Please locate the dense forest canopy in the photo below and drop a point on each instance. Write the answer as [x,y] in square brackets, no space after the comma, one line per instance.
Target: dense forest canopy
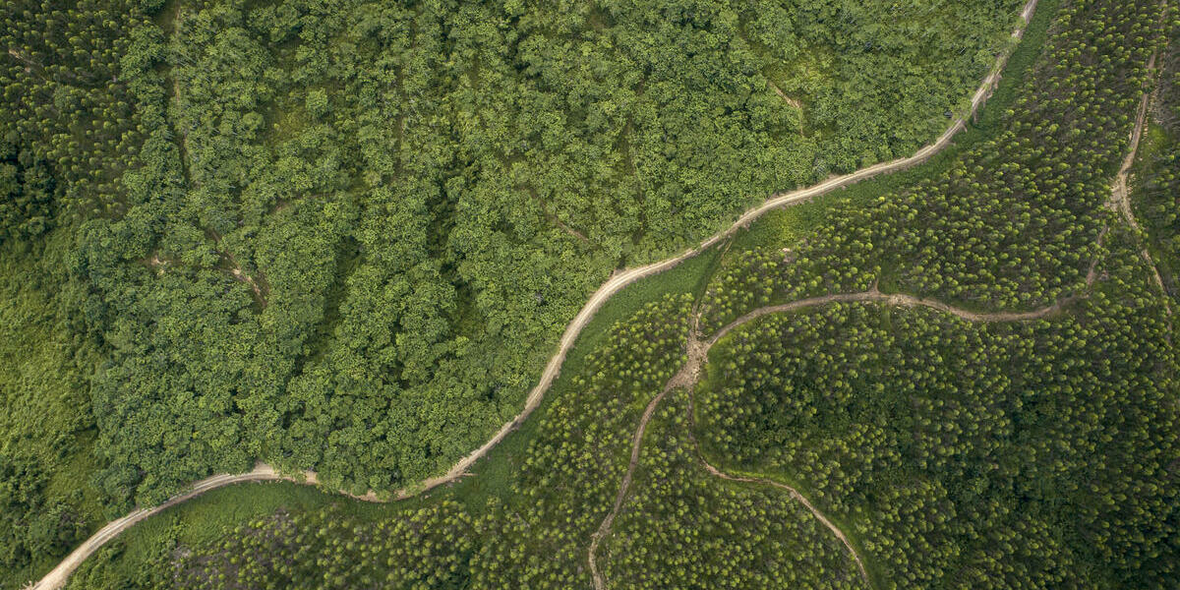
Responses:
[345,235]
[998,411]
[536,531]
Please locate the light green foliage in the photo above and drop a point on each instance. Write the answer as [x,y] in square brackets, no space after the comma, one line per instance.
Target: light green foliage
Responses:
[45,427]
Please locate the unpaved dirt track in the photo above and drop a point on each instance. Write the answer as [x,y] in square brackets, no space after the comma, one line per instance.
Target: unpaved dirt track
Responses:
[619,280]
[698,351]
[686,377]
[1121,194]
[795,495]
[900,300]
[57,577]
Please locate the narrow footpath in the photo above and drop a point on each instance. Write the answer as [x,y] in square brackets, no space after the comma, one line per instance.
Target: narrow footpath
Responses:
[697,354]
[1121,194]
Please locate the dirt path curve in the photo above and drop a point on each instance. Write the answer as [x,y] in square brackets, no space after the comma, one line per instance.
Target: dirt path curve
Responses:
[1121,197]
[57,577]
[620,279]
[795,495]
[698,351]
[902,300]
[261,472]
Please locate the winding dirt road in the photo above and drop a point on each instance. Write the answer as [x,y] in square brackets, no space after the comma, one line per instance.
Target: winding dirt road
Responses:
[57,577]
[792,492]
[698,351]
[621,279]
[1121,196]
